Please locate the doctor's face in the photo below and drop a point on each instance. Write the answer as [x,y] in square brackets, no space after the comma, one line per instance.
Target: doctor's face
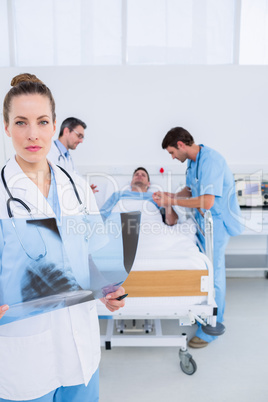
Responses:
[74,137]
[31,128]
[177,153]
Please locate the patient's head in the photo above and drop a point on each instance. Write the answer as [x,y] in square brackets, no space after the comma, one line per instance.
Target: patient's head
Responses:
[140,180]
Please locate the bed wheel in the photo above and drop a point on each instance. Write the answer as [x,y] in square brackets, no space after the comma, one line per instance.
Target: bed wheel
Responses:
[187,363]
[190,368]
[218,330]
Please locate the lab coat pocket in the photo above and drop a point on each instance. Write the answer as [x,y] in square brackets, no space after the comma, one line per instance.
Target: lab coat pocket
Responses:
[29,364]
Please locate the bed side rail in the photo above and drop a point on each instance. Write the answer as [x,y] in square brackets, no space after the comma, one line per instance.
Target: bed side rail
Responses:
[207,234]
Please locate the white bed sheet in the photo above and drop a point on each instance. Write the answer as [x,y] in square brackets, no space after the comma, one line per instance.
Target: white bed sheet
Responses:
[163,247]
[168,249]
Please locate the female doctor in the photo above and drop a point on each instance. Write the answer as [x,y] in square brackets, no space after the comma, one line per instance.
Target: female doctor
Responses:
[52,356]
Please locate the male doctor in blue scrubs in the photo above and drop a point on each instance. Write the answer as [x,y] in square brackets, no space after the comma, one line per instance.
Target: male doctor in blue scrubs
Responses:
[209,185]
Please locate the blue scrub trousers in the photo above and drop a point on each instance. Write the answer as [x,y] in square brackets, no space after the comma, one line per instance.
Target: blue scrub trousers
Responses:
[220,240]
[76,393]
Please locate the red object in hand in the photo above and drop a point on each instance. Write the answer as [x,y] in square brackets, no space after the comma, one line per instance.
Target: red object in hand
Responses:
[161,170]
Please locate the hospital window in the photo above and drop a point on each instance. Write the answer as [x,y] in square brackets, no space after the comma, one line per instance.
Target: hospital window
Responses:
[133,32]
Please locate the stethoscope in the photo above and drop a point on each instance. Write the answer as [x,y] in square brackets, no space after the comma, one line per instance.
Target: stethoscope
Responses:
[28,209]
[61,155]
[197,165]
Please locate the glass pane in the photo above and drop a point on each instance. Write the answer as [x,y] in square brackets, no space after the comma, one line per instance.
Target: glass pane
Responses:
[220,31]
[101,39]
[4,38]
[146,31]
[34,32]
[180,31]
[254,32]
[187,45]
[206,33]
[107,32]
[146,22]
[67,32]
[180,23]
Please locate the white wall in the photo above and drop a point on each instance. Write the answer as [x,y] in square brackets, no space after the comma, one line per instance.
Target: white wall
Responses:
[129,110]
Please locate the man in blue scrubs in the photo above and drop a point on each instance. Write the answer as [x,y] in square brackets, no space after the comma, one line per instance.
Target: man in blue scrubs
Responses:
[209,185]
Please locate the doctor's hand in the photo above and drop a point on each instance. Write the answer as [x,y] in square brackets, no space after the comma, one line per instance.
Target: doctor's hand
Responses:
[3,309]
[163,199]
[111,302]
[171,195]
[93,188]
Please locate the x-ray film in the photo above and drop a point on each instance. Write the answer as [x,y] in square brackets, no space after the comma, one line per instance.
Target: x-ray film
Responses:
[47,266]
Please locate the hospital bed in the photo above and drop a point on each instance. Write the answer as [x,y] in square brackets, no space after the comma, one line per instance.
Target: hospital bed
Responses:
[165,287]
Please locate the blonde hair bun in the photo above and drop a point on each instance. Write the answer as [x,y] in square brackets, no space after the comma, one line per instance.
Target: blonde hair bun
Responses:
[24,78]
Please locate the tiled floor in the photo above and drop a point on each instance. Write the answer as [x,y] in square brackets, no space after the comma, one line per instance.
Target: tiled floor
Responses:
[234,368]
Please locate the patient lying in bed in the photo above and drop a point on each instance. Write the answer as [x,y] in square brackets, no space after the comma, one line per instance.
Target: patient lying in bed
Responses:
[139,192]
[163,236]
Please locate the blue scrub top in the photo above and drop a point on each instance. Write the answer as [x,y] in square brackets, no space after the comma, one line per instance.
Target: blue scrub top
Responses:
[210,174]
[52,198]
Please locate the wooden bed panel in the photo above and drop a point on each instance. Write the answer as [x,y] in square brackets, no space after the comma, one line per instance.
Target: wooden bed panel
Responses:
[165,283]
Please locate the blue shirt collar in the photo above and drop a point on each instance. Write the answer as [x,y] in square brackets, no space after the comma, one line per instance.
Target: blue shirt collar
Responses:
[62,148]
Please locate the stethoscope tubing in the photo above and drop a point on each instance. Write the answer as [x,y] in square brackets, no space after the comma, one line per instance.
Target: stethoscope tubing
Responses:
[13,199]
[197,166]
[62,156]
[11,216]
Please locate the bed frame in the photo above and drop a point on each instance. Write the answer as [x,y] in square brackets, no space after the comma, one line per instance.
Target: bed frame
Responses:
[165,284]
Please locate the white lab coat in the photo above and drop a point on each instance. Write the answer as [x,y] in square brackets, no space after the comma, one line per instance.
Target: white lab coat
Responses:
[60,348]
[58,158]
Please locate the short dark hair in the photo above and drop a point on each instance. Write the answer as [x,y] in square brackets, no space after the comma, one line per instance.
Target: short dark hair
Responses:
[177,134]
[142,168]
[71,123]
